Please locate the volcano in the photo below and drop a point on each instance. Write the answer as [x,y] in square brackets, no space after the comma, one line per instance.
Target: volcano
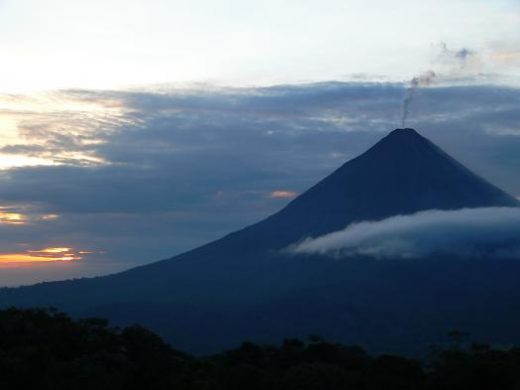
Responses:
[244,287]
[402,174]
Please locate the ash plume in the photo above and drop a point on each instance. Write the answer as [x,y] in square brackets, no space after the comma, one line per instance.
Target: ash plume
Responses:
[418,81]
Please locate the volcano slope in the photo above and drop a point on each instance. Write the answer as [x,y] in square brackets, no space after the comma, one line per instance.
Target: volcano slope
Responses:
[247,286]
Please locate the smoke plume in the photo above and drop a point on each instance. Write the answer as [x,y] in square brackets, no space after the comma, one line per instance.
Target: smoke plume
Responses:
[456,60]
[418,81]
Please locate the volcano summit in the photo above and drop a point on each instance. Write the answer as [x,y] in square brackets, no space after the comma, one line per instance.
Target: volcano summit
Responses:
[246,286]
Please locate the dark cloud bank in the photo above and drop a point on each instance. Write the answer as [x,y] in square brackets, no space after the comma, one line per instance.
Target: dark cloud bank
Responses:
[187,166]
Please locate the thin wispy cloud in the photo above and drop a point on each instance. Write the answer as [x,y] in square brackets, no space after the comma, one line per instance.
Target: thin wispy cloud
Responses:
[57,128]
[283,194]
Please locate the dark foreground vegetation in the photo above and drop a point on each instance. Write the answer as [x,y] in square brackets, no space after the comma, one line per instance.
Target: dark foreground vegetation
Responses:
[45,349]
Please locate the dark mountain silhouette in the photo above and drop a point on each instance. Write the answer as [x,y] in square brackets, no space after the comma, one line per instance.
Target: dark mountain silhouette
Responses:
[401,174]
[243,287]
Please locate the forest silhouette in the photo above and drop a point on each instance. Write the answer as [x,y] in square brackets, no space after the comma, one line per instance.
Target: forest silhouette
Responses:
[46,349]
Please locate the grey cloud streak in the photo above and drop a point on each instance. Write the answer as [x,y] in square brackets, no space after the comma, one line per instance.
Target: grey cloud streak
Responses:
[481,232]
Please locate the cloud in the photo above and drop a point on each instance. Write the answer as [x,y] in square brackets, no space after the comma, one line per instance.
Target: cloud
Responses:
[178,168]
[42,255]
[457,60]
[60,127]
[480,232]
[511,57]
[23,215]
[283,194]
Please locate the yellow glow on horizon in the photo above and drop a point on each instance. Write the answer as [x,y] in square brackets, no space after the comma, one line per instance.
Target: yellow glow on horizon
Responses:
[10,258]
[45,255]
[52,250]
[8,161]
[12,218]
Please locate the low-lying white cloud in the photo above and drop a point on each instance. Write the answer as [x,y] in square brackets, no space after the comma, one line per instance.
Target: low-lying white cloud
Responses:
[479,232]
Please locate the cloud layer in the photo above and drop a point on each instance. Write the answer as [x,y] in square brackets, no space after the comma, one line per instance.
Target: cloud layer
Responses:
[480,232]
[144,175]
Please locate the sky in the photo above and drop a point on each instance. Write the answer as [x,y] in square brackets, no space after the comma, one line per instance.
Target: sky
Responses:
[132,131]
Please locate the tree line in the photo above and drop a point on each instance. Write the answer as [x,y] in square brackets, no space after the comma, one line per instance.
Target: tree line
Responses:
[46,349]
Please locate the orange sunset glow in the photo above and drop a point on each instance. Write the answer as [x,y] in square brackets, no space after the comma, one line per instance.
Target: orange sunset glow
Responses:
[12,218]
[50,254]
[282,194]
